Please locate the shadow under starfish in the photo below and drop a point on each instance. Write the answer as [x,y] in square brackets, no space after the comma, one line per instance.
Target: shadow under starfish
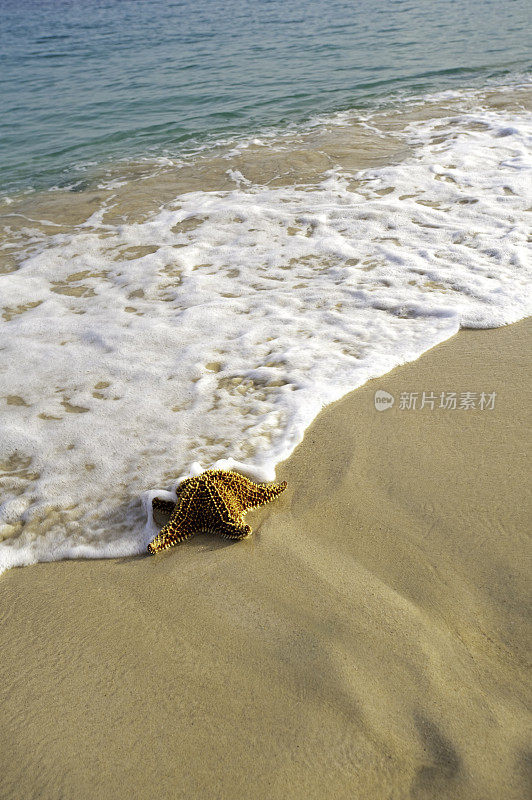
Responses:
[213,502]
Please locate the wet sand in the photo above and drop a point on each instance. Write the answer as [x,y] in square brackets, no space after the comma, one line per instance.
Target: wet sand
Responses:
[369,641]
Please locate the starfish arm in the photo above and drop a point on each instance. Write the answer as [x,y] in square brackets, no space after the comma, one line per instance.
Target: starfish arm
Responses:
[233,530]
[168,506]
[258,494]
[164,506]
[170,535]
[178,527]
[238,493]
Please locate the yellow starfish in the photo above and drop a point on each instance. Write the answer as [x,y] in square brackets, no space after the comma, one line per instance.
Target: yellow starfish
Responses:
[214,501]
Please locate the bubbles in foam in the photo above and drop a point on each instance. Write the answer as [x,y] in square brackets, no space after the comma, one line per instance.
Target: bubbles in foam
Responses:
[214,331]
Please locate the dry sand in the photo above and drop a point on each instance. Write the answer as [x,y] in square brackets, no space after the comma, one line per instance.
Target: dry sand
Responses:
[369,641]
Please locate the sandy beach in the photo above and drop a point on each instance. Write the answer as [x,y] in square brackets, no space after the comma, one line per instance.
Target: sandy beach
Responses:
[369,641]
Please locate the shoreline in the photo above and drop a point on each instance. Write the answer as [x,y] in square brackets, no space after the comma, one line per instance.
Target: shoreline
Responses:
[321,264]
[90,174]
[368,640]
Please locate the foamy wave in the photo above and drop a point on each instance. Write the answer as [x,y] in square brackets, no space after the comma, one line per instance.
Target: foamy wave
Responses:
[214,331]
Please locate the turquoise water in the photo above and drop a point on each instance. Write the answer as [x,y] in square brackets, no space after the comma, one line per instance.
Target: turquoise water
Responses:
[88,82]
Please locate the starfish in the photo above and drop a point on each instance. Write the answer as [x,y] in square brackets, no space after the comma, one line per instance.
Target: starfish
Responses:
[214,501]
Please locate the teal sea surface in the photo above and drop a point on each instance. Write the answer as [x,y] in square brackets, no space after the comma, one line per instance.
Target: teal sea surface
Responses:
[84,83]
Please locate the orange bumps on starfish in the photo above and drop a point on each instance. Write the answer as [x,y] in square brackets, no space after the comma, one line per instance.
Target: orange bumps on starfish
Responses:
[213,502]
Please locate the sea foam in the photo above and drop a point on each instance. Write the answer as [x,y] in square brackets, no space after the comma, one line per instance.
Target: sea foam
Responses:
[213,332]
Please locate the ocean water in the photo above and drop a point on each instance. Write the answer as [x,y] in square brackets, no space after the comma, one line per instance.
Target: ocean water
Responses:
[84,82]
[216,220]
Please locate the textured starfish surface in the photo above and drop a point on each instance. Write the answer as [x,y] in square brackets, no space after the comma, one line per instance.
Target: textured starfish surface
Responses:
[213,502]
